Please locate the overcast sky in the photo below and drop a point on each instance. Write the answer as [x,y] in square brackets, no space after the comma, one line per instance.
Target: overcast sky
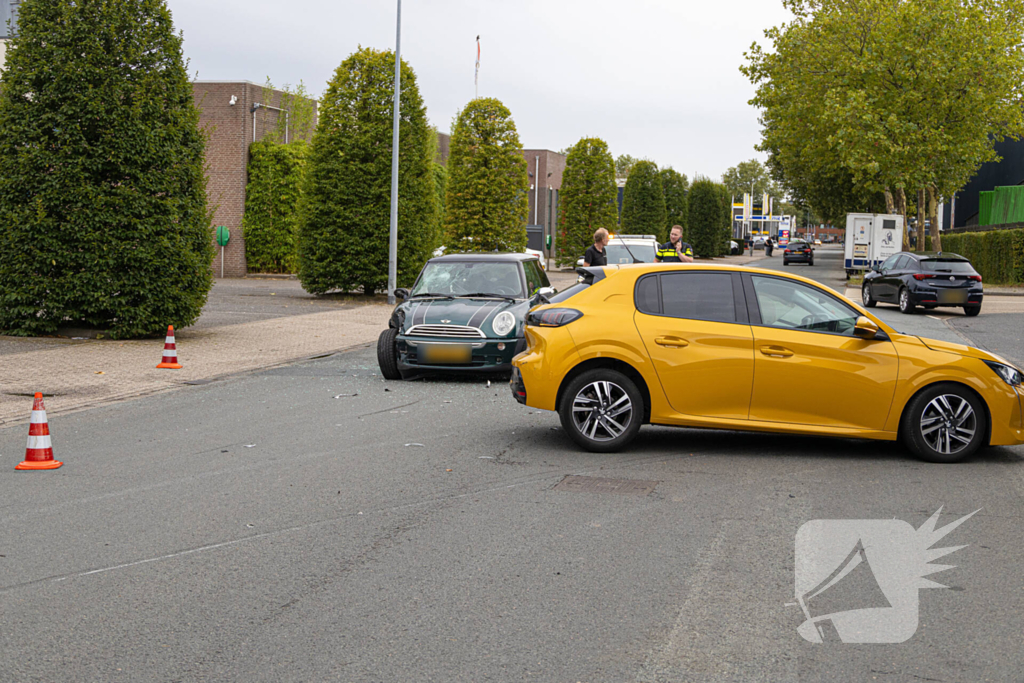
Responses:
[654,78]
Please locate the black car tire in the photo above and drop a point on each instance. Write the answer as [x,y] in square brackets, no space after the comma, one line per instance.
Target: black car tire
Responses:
[811,262]
[923,408]
[785,262]
[906,303]
[387,354]
[582,388]
[865,296]
[972,310]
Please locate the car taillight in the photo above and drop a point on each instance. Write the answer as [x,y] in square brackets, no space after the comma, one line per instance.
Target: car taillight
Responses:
[552,317]
[976,278]
[923,276]
[788,251]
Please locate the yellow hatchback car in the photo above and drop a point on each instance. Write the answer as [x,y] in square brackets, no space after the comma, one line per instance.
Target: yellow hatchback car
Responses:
[710,346]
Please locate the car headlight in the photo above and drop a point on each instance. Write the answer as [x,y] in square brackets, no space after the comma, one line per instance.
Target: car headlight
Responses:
[1008,373]
[503,323]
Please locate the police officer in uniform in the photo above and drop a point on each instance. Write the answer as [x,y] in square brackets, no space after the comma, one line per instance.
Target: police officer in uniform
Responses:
[675,250]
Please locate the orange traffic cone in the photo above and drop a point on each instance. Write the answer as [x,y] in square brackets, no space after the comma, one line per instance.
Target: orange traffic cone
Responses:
[170,360]
[39,454]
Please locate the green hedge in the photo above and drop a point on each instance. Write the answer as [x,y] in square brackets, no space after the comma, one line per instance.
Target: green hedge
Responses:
[998,255]
[270,224]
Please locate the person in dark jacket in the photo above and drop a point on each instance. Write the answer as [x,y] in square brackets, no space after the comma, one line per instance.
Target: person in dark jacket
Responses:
[596,255]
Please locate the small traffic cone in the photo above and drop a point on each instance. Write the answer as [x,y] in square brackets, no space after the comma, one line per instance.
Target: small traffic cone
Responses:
[39,453]
[170,360]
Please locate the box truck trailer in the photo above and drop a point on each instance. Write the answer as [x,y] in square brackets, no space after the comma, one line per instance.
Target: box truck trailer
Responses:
[870,239]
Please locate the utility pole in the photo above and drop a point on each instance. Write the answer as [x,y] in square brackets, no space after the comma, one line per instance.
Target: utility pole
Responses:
[393,247]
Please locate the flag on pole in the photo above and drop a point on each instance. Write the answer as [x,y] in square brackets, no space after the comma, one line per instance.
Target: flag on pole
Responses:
[476,78]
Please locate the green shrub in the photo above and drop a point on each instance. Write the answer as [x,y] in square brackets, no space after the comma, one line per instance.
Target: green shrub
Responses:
[440,189]
[102,191]
[271,221]
[486,204]
[725,220]
[643,202]
[675,186]
[345,211]
[587,200]
[998,255]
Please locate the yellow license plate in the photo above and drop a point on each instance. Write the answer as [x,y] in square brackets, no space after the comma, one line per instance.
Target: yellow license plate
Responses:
[445,354]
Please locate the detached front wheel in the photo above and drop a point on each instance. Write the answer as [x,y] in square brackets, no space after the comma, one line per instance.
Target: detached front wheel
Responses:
[602,410]
[387,354]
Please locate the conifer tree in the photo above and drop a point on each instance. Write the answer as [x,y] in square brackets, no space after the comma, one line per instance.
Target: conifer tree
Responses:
[587,200]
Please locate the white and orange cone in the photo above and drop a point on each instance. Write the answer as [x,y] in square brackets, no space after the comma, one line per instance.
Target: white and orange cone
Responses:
[170,360]
[39,453]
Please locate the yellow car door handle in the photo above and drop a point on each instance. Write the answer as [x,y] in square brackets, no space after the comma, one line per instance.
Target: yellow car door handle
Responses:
[776,351]
[671,342]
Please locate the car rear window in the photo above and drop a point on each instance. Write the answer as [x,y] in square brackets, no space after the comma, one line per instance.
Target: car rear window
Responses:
[568,293]
[797,245]
[950,266]
[698,296]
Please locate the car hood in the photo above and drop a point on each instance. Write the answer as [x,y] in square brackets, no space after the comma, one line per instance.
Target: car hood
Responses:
[961,350]
[468,312]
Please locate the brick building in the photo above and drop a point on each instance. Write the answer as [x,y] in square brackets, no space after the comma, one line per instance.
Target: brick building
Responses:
[234,114]
[545,169]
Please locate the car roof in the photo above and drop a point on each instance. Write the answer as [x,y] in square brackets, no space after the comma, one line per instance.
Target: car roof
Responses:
[926,255]
[493,258]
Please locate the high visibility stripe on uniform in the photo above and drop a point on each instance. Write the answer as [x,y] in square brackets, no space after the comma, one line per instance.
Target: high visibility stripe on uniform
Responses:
[38,442]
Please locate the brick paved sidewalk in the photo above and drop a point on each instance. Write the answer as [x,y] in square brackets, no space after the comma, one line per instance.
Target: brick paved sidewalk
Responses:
[81,374]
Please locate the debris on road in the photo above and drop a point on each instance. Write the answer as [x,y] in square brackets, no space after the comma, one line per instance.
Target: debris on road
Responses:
[346,395]
[250,445]
[414,444]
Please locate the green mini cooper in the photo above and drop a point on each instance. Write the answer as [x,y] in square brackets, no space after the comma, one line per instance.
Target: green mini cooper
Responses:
[464,314]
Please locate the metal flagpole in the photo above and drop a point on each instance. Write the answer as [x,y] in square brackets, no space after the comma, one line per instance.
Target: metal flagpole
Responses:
[476,78]
[393,248]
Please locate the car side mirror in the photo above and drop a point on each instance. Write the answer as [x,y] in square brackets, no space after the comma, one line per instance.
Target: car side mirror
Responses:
[865,328]
[402,293]
[542,294]
[579,263]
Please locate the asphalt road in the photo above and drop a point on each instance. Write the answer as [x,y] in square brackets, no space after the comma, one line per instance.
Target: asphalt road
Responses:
[315,522]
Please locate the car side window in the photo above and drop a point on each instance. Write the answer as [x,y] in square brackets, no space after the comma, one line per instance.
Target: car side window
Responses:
[698,296]
[890,263]
[795,306]
[904,263]
[648,296]
[535,278]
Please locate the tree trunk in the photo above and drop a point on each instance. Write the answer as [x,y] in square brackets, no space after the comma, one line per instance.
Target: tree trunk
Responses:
[921,211]
[890,207]
[933,216]
[901,209]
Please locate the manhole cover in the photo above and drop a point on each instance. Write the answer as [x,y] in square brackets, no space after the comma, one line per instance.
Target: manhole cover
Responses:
[599,485]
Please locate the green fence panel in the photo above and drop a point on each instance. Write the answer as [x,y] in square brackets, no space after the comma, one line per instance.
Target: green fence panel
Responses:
[985,207]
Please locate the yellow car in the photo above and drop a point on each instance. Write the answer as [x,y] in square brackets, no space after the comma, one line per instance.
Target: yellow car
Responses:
[714,346]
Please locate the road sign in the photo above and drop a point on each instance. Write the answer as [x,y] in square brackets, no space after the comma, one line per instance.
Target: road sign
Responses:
[223,235]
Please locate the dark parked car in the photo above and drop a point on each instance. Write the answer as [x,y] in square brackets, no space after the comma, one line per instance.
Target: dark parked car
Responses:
[798,251]
[926,279]
[465,313]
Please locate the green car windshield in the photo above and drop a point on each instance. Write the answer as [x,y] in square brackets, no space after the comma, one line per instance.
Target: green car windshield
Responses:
[459,278]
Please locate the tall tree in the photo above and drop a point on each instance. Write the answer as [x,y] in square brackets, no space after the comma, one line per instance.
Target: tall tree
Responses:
[705,219]
[750,177]
[643,201]
[588,198]
[487,201]
[103,216]
[870,96]
[675,186]
[346,207]
[624,163]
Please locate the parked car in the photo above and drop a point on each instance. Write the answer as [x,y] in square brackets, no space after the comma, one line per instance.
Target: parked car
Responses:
[625,249]
[817,242]
[798,251]
[728,347]
[928,279]
[464,313]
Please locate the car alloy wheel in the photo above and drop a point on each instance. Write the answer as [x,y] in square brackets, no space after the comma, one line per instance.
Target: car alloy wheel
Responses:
[944,423]
[948,424]
[865,296]
[906,305]
[602,410]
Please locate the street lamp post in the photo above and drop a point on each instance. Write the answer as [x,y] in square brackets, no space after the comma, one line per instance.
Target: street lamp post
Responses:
[393,246]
